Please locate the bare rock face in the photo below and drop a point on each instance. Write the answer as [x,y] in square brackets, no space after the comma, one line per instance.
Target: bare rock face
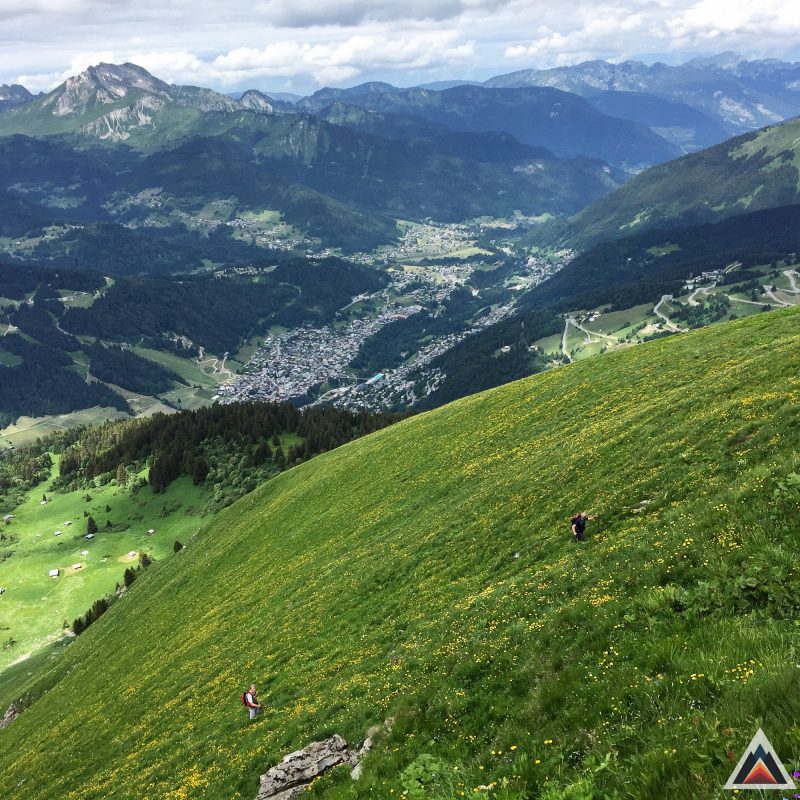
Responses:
[290,778]
[14,710]
[256,101]
[117,124]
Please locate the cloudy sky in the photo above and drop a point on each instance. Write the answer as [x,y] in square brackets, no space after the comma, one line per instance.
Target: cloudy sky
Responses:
[301,45]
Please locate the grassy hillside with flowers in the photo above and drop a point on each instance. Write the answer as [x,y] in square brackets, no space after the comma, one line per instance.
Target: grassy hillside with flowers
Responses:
[427,572]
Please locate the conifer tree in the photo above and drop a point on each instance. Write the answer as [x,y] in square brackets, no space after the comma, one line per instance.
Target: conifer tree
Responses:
[199,471]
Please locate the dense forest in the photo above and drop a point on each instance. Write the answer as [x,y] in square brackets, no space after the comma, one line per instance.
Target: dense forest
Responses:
[44,384]
[231,448]
[125,369]
[117,250]
[219,312]
[481,361]
[18,281]
[21,470]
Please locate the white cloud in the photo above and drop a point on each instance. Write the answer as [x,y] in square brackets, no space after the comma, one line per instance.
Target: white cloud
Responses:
[333,62]
[339,61]
[308,42]
[757,27]
[305,13]
[173,67]
[737,19]
[79,62]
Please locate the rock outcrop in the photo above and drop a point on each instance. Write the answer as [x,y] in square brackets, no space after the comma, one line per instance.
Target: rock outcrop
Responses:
[14,710]
[290,778]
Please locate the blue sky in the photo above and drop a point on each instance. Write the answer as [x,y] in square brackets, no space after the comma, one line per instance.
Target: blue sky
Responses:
[304,44]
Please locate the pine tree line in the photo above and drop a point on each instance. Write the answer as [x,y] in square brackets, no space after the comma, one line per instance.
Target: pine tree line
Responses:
[197,443]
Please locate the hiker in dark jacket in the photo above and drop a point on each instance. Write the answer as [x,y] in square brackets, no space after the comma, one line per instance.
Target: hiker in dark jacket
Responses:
[578,523]
[251,701]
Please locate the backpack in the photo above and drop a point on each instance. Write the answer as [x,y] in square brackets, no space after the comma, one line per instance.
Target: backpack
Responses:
[244,700]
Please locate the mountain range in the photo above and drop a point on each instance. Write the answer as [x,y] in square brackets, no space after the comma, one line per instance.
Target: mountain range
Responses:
[339,176]
[121,174]
[124,103]
[13,96]
[560,121]
[691,105]
[738,93]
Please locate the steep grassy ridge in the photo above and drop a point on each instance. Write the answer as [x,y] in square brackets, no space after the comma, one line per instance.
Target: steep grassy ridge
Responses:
[749,173]
[427,572]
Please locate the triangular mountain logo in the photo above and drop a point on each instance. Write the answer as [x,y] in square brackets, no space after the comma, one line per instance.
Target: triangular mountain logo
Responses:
[759,768]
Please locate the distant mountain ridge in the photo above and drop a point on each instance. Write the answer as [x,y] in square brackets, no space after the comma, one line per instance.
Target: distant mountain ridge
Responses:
[564,123]
[748,173]
[115,102]
[13,96]
[741,94]
[344,163]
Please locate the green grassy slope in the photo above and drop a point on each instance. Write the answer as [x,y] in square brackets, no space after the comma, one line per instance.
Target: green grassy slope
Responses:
[35,606]
[383,578]
[747,173]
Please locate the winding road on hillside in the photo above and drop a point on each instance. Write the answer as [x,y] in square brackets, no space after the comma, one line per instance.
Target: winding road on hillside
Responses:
[749,302]
[564,341]
[691,300]
[665,298]
[589,333]
[790,274]
[769,293]
[572,321]
[216,367]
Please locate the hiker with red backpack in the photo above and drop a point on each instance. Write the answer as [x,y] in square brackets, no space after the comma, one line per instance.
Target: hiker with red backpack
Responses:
[250,701]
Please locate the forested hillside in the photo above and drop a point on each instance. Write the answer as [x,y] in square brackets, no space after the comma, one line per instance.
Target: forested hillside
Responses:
[748,173]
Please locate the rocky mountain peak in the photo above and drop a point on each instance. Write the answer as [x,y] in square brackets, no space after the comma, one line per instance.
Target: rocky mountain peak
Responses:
[727,61]
[101,85]
[129,75]
[13,96]
[257,101]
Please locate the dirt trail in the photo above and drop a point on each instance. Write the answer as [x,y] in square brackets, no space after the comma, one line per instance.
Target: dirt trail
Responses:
[11,327]
[749,302]
[212,364]
[589,333]
[575,324]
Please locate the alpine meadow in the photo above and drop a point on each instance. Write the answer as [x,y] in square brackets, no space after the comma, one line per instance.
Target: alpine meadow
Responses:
[423,573]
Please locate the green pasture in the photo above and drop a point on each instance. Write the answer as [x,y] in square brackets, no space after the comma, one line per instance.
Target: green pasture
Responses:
[35,607]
